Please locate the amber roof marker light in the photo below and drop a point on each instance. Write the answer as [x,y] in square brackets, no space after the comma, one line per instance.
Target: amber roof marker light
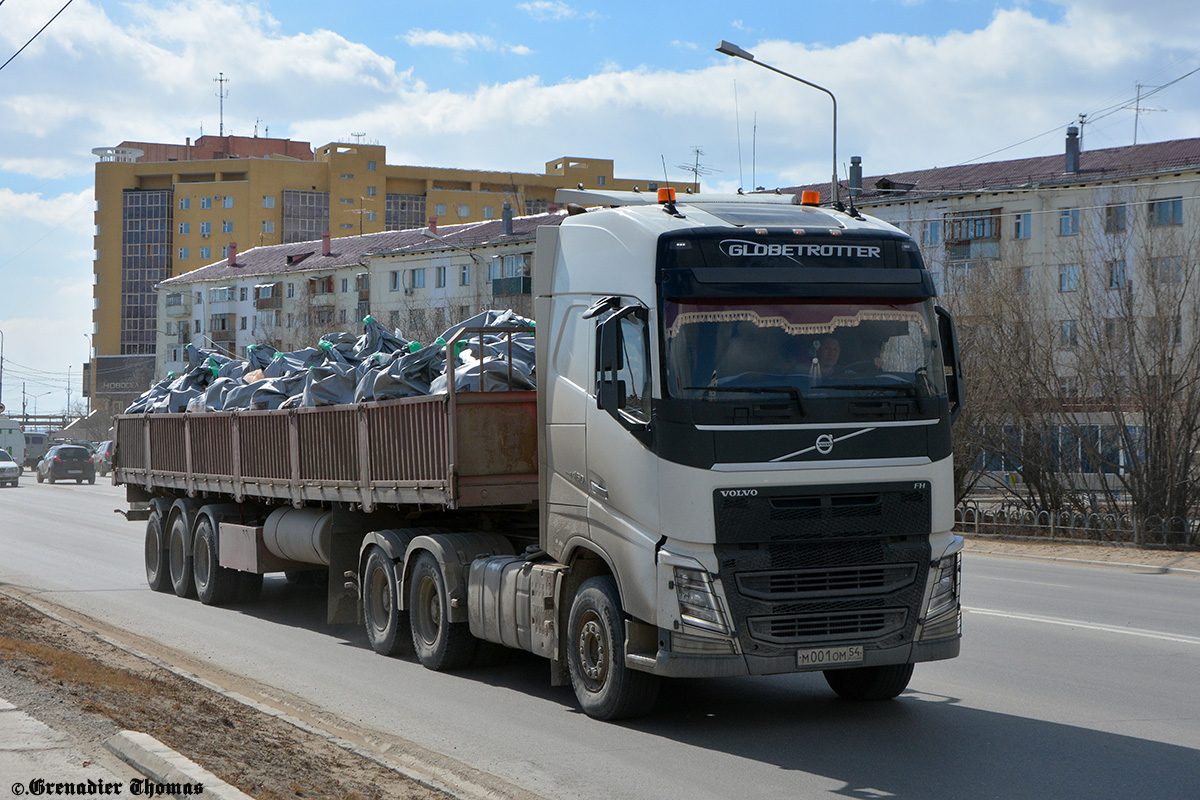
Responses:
[730,49]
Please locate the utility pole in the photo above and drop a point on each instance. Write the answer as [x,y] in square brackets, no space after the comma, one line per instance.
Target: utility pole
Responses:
[222,93]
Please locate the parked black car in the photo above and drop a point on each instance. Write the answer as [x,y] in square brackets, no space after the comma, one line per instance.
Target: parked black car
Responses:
[67,462]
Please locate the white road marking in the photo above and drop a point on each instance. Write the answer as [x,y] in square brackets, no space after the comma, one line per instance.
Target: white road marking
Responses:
[1018,580]
[1091,626]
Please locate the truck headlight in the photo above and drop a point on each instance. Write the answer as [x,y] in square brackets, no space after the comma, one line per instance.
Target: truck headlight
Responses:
[699,605]
[944,596]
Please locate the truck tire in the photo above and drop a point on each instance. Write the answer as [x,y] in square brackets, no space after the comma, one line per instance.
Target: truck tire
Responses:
[215,585]
[388,628]
[158,573]
[606,688]
[179,557]
[869,683]
[439,643]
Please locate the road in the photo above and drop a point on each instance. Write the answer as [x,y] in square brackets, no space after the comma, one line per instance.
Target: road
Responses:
[1073,682]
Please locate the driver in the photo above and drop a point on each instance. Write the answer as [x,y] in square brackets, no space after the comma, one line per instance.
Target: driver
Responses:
[828,354]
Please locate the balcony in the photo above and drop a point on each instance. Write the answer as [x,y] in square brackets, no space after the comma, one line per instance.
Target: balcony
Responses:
[521,284]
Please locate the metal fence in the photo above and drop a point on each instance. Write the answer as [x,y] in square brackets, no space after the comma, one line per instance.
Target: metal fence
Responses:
[1020,522]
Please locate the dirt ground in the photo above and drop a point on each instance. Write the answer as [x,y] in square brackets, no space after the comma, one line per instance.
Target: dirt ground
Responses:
[86,687]
[90,689]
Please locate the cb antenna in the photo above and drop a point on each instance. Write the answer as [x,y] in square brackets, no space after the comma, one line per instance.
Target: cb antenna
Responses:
[222,93]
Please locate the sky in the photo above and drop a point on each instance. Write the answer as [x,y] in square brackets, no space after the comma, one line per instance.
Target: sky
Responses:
[512,84]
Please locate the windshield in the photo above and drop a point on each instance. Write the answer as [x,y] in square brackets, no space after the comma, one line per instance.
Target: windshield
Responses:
[4,456]
[715,349]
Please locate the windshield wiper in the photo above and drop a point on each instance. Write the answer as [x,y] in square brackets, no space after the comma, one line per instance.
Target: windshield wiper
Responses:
[791,391]
[903,388]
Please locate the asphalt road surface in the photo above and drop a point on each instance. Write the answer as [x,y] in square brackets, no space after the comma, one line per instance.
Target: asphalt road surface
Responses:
[1074,682]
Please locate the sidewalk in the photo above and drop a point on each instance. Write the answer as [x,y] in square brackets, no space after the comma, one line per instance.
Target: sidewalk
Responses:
[32,751]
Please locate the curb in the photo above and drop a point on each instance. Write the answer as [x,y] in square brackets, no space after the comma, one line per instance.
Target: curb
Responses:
[1162,570]
[164,766]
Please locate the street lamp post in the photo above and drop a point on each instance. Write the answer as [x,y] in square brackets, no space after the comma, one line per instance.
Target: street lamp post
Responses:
[733,50]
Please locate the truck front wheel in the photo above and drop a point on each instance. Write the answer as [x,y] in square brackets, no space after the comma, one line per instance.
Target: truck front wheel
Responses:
[606,688]
[387,626]
[158,574]
[215,585]
[440,643]
[179,557]
[870,683]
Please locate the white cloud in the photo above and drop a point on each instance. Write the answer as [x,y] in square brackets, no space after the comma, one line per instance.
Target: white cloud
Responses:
[453,41]
[548,10]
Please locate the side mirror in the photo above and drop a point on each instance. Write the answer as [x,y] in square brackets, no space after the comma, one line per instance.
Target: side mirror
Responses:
[612,392]
[955,387]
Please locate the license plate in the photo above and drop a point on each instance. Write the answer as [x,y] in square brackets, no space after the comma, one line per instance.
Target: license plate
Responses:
[829,656]
[74,472]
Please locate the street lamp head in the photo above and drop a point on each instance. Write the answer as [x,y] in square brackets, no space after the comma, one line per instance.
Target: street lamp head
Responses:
[731,49]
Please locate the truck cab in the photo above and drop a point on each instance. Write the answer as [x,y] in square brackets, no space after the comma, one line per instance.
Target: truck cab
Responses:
[746,406]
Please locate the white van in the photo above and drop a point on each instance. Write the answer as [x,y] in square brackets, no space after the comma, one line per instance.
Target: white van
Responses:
[12,439]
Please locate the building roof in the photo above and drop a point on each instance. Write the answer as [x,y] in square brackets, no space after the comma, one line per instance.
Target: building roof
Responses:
[1113,162]
[349,251]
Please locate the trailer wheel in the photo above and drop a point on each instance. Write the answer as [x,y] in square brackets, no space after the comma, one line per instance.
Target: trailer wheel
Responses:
[440,643]
[388,628]
[606,688]
[215,585]
[179,557]
[158,574]
[870,683]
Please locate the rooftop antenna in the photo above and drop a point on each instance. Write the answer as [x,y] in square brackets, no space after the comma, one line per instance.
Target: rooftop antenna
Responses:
[754,154]
[737,120]
[1082,122]
[1138,110]
[357,136]
[696,168]
[222,93]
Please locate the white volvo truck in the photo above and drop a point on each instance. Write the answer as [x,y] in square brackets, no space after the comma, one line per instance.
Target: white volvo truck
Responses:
[737,461]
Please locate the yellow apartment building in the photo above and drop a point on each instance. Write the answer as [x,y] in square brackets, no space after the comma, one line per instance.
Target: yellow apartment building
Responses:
[166,209]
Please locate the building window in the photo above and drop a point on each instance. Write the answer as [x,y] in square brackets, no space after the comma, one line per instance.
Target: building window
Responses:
[198,327]
[1167,270]
[1068,278]
[931,233]
[441,277]
[242,292]
[1114,218]
[371,191]
[205,228]
[1116,274]
[345,284]
[439,209]
[291,292]
[370,166]
[243,323]
[346,201]
[206,202]
[268,201]
[464,275]
[1068,386]
[206,252]
[347,176]
[225,251]
[183,252]
[221,294]
[1068,333]
[370,216]
[416,320]
[489,212]
[395,285]
[600,179]
[347,226]
[226,226]
[185,228]
[268,226]
[1165,213]
[1068,222]
[227,201]
[464,210]
[185,203]
[1023,225]
[418,278]
[394,318]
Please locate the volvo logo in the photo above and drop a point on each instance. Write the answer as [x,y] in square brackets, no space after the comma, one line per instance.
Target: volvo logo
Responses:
[825,444]
[739,492]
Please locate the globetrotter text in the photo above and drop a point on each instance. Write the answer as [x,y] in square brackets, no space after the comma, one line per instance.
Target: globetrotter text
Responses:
[739,248]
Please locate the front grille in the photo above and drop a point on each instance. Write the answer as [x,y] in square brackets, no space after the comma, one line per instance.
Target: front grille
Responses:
[805,567]
[825,582]
[828,627]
